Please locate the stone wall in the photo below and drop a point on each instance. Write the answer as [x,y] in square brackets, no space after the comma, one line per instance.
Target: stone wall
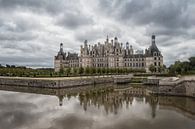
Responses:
[54,83]
[183,88]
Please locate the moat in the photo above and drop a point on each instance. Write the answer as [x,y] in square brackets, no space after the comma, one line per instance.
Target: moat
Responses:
[105,106]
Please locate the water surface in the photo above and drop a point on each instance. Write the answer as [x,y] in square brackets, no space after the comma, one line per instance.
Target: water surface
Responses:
[93,108]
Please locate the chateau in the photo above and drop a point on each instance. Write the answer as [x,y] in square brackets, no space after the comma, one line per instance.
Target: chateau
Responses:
[111,54]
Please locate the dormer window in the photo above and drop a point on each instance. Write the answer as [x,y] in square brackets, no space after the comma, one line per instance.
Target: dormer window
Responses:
[155,54]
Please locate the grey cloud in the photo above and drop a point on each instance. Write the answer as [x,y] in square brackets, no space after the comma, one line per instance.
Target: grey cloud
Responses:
[74,19]
[27,61]
[163,14]
[132,9]
[33,28]
[33,5]
[17,29]
[95,34]
[171,14]
[13,37]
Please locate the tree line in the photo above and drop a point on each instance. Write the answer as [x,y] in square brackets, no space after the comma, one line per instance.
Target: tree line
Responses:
[22,71]
[183,67]
[97,71]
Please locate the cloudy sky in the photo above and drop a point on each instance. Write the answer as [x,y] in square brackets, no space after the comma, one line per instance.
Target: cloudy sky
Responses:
[31,30]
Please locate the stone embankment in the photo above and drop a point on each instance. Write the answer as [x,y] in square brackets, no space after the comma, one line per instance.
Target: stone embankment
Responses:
[184,86]
[62,82]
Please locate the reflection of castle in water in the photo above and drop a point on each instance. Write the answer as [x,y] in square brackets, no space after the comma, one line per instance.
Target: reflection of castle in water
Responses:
[112,99]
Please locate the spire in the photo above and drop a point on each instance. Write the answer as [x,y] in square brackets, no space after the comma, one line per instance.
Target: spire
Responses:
[107,40]
[153,48]
[85,44]
[127,45]
[153,39]
[61,47]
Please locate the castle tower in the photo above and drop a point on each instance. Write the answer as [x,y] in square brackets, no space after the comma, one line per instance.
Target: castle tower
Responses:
[131,50]
[115,41]
[61,47]
[153,39]
[107,39]
[127,45]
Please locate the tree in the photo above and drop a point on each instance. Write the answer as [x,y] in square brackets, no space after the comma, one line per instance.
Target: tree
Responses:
[160,69]
[68,71]
[125,70]
[87,70]
[98,70]
[93,70]
[1,66]
[13,66]
[178,67]
[185,67]
[81,70]
[114,70]
[103,70]
[8,66]
[107,70]
[111,70]
[152,68]
[75,71]
[192,62]
[61,72]
[172,69]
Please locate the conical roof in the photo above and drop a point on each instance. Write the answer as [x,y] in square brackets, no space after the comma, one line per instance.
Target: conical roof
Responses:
[153,48]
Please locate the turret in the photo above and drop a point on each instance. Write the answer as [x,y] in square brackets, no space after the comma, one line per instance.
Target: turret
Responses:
[127,45]
[115,40]
[61,47]
[81,50]
[131,50]
[85,49]
[153,48]
[112,42]
[107,40]
[153,39]
[61,55]
[85,44]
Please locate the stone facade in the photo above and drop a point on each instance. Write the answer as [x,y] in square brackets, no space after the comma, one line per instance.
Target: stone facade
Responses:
[111,54]
[64,60]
